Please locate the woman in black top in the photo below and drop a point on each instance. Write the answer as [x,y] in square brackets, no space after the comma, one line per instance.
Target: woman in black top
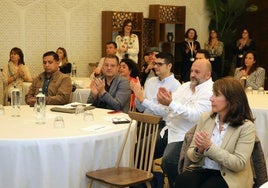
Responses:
[243,44]
[65,66]
[188,49]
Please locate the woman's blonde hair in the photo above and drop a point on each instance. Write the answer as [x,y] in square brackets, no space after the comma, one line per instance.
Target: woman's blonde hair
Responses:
[65,57]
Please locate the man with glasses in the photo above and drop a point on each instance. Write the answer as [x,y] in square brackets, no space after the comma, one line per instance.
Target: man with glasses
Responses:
[111,91]
[146,100]
[165,78]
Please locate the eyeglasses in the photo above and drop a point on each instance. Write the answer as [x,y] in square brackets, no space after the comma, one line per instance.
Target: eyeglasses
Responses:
[159,64]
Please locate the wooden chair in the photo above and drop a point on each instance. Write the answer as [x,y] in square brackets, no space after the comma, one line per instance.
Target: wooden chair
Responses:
[139,169]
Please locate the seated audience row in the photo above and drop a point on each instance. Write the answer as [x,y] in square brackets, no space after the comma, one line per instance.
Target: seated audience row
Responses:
[255,75]
[180,106]
[16,72]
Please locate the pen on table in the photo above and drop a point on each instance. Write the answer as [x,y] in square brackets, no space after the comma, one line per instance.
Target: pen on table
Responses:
[99,128]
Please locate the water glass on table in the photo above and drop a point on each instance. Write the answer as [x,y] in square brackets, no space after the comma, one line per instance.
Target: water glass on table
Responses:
[249,90]
[261,90]
[88,115]
[79,110]
[59,122]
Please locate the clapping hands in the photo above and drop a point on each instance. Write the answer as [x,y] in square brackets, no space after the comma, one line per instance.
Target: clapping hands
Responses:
[202,141]
[164,96]
[97,86]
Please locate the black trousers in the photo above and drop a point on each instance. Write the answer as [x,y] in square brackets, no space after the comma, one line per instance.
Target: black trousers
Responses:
[200,178]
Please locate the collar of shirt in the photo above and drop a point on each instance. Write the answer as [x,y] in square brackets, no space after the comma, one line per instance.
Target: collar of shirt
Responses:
[167,78]
[203,85]
[217,123]
[216,138]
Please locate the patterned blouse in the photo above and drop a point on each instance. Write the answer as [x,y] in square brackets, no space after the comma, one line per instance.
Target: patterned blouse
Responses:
[254,80]
[132,43]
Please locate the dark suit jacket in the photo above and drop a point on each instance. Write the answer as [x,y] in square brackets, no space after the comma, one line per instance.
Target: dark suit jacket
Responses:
[118,97]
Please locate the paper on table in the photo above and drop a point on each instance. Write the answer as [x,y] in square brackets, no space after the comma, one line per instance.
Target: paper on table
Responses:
[73,105]
[111,118]
[95,128]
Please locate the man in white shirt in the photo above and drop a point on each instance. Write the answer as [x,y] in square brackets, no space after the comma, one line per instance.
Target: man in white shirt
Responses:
[184,107]
[146,101]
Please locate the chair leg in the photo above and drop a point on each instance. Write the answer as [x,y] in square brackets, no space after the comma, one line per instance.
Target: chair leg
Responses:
[89,183]
[148,185]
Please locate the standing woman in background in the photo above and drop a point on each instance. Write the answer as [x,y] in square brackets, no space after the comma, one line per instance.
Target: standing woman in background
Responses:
[188,50]
[215,49]
[65,66]
[15,72]
[243,44]
[127,42]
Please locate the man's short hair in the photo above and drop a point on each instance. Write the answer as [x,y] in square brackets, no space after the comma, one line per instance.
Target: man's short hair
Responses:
[203,51]
[152,49]
[51,53]
[168,57]
[113,43]
[111,56]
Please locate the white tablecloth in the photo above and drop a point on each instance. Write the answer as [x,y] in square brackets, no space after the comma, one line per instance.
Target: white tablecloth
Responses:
[42,156]
[259,107]
[80,95]
[82,91]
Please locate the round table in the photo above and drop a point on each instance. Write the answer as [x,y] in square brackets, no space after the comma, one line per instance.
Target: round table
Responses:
[42,156]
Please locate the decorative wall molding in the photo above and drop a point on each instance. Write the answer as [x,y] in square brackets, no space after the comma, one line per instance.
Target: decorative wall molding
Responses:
[23,3]
[68,4]
[37,26]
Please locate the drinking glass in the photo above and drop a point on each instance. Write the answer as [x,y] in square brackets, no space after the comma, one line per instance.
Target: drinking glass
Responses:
[59,122]
[79,110]
[261,90]
[88,115]
[249,90]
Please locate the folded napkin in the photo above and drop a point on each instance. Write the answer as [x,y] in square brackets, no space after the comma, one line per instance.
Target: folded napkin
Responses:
[69,110]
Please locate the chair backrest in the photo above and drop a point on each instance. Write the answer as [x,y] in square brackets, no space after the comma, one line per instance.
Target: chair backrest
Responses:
[184,161]
[143,145]
[258,164]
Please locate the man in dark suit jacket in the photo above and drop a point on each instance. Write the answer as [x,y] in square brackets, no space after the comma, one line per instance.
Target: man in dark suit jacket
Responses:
[112,91]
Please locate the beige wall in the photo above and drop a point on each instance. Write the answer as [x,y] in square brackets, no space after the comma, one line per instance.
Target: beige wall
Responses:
[37,26]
